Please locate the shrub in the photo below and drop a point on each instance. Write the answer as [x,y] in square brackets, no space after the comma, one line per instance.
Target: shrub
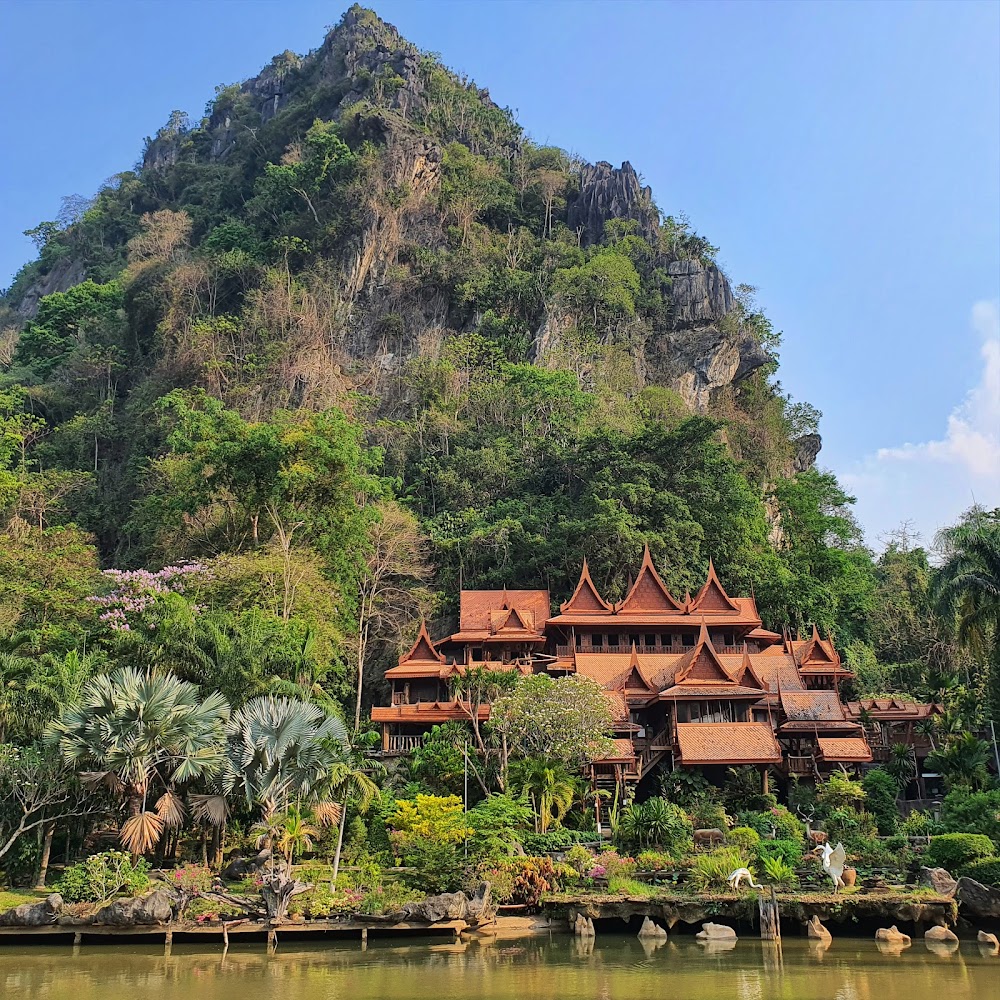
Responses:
[787,826]
[972,812]
[437,867]
[790,851]
[712,869]
[532,877]
[707,814]
[580,859]
[552,840]
[611,864]
[880,791]
[850,825]
[840,791]
[499,822]
[501,879]
[653,861]
[917,824]
[103,876]
[746,838]
[956,850]
[986,871]
[191,878]
[742,791]
[630,887]
[654,821]
[779,871]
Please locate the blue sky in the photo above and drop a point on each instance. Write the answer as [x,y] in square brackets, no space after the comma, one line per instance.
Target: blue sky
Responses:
[844,156]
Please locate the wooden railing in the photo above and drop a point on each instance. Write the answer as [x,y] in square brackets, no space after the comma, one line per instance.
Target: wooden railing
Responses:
[404,744]
[800,764]
[567,650]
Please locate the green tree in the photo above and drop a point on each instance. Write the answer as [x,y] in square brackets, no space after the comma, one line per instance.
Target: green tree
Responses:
[143,734]
[549,788]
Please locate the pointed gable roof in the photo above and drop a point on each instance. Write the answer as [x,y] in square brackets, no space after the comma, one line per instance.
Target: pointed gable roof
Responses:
[818,654]
[713,596]
[422,651]
[585,600]
[649,592]
[636,679]
[512,619]
[702,664]
[746,675]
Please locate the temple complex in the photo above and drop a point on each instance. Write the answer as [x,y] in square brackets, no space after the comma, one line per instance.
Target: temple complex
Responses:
[692,682]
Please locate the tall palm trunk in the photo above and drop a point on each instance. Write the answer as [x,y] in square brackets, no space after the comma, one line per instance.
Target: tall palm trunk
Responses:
[340,841]
[43,865]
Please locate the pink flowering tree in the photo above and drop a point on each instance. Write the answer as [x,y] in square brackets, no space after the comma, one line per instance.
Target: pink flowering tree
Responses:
[136,591]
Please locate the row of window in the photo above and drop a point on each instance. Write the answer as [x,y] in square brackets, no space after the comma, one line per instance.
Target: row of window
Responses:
[597,640]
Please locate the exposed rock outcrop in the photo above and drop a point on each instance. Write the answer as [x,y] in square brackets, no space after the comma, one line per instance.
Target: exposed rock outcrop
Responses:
[987,940]
[156,907]
[239,867]
[583,927]
[38,914]
[978,901]
[939,880]
[607,193]
[807,447]
[941,935]
[67,272]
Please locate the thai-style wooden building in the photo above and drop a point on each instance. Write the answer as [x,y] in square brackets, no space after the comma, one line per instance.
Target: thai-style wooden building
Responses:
[692,682]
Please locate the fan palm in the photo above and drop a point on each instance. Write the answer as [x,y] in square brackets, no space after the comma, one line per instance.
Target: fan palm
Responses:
[142,733]
[279,750]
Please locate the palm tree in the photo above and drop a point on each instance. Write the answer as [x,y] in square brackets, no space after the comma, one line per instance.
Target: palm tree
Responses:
[140,734]
[280,751]
[289,831]
[901,765]
[551,790]
[351,782]
[968,587]
[963,762]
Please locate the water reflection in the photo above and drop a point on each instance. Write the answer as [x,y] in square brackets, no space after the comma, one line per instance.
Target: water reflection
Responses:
[614,966]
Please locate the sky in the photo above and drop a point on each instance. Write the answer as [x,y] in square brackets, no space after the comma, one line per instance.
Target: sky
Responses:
[845,157]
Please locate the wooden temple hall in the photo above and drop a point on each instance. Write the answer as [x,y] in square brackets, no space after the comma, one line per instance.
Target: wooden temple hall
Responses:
[696,682]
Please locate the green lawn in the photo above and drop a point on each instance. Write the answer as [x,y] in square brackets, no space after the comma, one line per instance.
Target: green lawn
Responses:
[9,900]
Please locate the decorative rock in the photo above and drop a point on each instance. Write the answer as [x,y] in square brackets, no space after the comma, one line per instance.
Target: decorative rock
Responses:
[156,907]
[815,929]
[938,879]
[33,914]
[977,900]
[652,930]
[454,906]
[990,939]
[584,927]
[892,935]
[715,932]
[239,867]
[941,934]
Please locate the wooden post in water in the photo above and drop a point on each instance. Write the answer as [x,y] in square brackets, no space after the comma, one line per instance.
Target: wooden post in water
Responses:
[770,920]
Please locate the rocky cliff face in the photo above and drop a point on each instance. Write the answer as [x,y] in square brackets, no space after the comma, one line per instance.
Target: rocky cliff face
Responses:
[606,193]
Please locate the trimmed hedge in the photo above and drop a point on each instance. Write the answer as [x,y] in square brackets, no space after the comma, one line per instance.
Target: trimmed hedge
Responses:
[986,871]
[955,851]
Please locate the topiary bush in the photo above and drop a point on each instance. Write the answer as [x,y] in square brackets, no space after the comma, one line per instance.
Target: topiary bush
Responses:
[954,851]
[986,871]
[746,838]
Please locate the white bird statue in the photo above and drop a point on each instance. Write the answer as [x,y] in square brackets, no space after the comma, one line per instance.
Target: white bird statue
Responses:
[834,861]
[737,877]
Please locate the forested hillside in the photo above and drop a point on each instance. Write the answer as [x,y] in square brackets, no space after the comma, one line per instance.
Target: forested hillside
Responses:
[351,341]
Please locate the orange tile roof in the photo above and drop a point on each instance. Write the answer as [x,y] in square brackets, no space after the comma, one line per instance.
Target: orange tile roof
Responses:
[475,607]
[425,711]
[611,670]
[649,592]
[422,651]
[712,597]
[890,709]
[418,670]
[727,743]
[853,748]
[679,692]
[809,706]
[624,750]
[585,600]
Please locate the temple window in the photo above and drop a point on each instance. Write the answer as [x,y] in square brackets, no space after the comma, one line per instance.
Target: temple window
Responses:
[650,640]
[477,655]
[612,639]
[597,640]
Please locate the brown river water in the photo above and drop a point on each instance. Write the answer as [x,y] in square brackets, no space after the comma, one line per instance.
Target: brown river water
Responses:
[616,967]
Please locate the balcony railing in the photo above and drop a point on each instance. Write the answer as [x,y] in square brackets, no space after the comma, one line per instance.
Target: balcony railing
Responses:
[404,744]
[567,650]
[800,764]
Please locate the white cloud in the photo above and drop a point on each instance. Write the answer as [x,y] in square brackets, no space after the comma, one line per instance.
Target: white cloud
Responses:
[930,483]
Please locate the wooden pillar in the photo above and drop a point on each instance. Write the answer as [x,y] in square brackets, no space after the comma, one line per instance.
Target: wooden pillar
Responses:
[385,737]
[364,938]
[168,940]
[763,779]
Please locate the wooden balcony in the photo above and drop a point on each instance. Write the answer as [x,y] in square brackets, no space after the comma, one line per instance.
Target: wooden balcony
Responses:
[404,744]
[567,650]
[803,764]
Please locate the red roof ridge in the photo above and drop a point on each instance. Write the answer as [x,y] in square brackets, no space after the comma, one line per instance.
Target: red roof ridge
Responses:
[636,667]
[587,594]
[424,647]
[713,590]
[702,653]
[648,585]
